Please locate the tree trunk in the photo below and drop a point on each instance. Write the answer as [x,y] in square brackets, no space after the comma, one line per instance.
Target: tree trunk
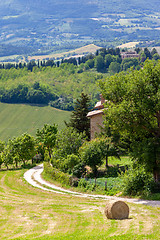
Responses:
[94,172]
[106,161]
[156,174]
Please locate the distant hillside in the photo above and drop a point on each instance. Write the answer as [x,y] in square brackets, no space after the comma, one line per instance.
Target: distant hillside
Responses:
[43,26]
[16,119]
[91,48]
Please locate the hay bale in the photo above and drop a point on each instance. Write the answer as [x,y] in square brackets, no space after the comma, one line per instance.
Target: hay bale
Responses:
[116,210]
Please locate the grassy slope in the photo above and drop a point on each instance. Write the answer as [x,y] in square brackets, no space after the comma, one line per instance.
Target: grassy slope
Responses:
[15,119]
[29,213]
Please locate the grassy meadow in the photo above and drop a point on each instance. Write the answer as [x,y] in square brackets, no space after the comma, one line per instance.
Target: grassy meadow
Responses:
[16,119]
[28,213]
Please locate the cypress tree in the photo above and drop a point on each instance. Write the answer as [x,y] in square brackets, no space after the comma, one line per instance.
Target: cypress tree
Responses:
[79,120]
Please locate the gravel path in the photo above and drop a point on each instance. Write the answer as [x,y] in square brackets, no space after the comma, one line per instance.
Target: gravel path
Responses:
[33,177]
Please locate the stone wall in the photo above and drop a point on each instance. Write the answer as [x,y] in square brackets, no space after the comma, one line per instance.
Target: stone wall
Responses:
[96,122]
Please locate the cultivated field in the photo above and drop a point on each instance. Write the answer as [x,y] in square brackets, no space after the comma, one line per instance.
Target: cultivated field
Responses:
[91,48]
[16,119]
[27,213]
[128,45]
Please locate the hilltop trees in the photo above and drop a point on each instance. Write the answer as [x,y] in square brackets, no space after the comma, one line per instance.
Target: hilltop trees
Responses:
[133,110]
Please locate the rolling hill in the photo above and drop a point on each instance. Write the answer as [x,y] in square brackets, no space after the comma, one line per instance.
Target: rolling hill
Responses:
[44,26]
[16,119]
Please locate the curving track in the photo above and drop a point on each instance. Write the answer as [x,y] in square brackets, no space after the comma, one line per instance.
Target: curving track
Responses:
[33,177]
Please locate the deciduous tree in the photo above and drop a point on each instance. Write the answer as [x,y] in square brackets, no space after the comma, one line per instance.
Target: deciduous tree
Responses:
[47,136]
[133,110]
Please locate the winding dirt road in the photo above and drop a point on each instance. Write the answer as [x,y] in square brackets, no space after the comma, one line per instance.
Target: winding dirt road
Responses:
[33,177]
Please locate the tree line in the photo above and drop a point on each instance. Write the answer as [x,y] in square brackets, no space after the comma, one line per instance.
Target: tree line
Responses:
[23,89]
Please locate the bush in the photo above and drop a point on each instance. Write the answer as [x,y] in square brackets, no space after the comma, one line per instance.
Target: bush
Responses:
[70,161]
[56,174]
[85,185]
[136,181]
[79,170]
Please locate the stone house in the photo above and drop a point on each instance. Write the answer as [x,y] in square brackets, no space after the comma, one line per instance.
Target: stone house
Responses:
[130,54]
[96,118]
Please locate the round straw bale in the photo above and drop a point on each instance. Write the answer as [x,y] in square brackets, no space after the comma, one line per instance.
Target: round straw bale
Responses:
[116,210]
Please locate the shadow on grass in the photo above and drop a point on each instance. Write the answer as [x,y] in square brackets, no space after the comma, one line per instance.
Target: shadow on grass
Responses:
[27,166]
[112,171]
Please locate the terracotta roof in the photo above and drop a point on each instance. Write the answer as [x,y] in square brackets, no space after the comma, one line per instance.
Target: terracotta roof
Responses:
[95,112]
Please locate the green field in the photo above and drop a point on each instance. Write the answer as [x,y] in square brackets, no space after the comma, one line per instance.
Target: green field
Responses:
[27,213]
[16,119]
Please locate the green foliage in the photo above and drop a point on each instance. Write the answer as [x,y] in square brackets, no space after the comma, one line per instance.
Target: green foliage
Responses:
[89,63]
[67,145]
[64,103]
[7,156]
[56,174]
[114,67]
[133,108]
[68,141]
[47,136]
[83,184]
[93,152]
[71,161]
[136,181]
[128,63]
[18,150]
[108,60]
[47,84]
[156,56]
[99,63]
[23,147]
[79,120]
[109,186]
[79,170]
[2,145]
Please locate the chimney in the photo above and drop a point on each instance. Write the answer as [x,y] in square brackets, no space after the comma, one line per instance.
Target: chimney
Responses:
[102,99]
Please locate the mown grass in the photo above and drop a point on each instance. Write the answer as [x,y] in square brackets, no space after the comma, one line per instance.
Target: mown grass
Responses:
[29,213]
[16,119]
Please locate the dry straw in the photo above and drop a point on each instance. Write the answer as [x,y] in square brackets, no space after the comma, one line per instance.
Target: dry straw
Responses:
[116,210]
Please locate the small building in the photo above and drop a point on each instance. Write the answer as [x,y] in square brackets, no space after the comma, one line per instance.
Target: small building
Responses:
[129,54]
[96,118]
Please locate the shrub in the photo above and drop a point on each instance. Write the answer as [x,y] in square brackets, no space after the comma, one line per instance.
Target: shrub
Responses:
[79,170]
[56,174]
[85,185]
[136,181]
[70,161]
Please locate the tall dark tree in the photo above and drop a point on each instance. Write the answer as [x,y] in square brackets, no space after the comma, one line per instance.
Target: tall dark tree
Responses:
[147,53]
[154,51]
[99,63]
[79,120]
